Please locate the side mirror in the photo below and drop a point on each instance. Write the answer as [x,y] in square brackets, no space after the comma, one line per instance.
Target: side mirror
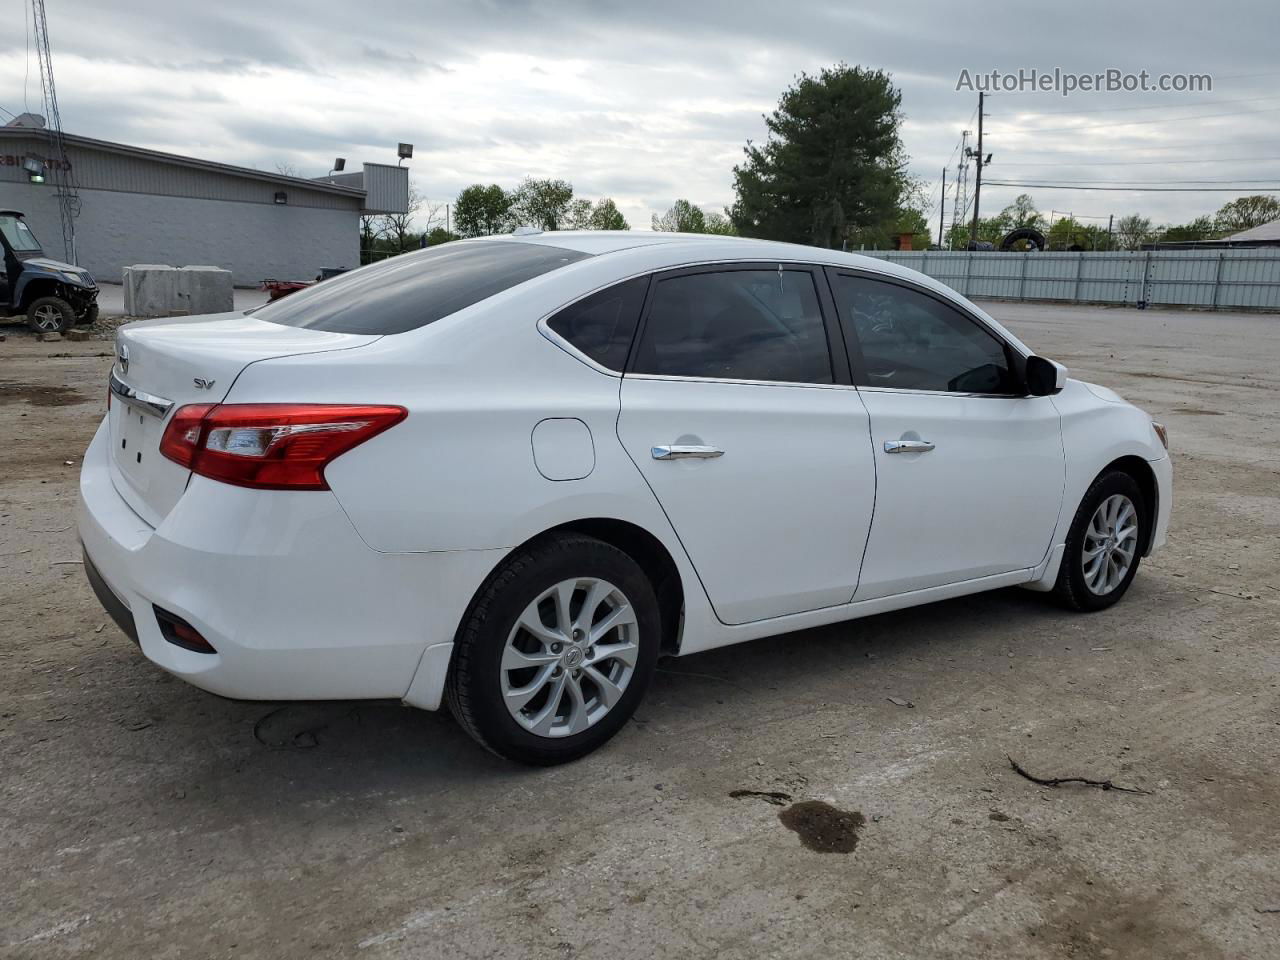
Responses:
[1045,377]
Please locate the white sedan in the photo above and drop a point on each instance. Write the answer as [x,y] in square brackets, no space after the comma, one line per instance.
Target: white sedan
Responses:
[510,473]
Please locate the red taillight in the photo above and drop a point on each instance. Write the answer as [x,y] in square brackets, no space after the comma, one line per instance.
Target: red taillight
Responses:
[271,446]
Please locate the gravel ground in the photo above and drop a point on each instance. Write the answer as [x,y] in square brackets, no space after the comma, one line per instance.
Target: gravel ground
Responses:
[142,817]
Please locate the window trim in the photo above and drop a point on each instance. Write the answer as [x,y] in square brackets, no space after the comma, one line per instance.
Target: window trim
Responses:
[544,323]
[1016,359]
[836,353]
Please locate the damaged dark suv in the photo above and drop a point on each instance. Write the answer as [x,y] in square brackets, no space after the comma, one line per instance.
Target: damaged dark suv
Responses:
[53,295]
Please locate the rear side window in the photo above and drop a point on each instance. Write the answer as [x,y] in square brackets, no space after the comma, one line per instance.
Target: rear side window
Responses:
[414,289]
[602,325]
[910,341]
[736,325]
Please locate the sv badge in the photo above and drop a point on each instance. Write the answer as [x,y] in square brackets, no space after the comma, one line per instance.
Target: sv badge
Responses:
[202,384]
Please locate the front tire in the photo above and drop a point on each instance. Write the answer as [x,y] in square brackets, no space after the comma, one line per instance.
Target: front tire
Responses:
[50,315]
[556,651]
[1104,545]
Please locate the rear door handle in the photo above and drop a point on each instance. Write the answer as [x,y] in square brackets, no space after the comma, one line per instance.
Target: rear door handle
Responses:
[680,451]
[907,446]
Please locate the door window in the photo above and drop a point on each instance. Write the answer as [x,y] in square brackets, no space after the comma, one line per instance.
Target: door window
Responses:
[602,325]
[910,341]
[736,325]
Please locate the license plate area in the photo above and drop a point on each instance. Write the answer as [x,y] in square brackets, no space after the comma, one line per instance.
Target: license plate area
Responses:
[135,439]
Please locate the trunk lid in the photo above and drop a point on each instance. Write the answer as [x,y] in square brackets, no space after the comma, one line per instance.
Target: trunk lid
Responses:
[162,365]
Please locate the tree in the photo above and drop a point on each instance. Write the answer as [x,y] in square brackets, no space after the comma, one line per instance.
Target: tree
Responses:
[682,217]
[606,216]
[1132,231]
[482,211]
[399,232]
[1246,213]
[1023,213]
[1201,228]
[833,162]
[718,223]
[437,235]
[542,203]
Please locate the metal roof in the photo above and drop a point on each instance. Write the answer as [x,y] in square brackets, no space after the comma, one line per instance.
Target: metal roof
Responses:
[1267,231]
[208,166]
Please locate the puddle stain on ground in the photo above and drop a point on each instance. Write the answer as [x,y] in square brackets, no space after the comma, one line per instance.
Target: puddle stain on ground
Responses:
[39,394]
[822,827]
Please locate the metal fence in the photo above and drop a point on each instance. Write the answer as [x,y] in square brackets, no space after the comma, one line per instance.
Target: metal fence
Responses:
[1211,279]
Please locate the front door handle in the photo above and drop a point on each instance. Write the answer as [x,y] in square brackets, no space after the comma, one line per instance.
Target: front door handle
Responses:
[681,451]
[907,446]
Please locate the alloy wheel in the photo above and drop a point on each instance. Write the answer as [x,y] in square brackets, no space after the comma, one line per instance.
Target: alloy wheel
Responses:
[48,319]
[1110,544]
[569,657]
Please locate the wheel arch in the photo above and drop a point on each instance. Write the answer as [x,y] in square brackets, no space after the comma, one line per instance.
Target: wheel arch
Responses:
[1145,477]
[644,548]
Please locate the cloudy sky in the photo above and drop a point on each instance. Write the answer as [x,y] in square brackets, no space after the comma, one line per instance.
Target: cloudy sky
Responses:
[649,101]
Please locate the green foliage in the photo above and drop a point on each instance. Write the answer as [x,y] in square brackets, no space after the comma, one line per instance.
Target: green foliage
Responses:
[603,215]
[719,224]
[1133,231]
[1201,228]
[542,203]
[1246,213]
[1023,213]
[606,216]
[833,163]
[438,235]
[482,211]
[682,217]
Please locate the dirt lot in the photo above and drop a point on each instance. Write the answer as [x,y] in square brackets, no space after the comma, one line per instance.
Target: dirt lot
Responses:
[140,817]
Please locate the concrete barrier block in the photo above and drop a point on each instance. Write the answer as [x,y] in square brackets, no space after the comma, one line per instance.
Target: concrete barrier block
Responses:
[204,289]
[150,290]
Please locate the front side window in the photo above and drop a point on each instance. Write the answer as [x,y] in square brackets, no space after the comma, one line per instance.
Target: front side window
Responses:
[602,325]
[736,325]
[19,235]
[414,289]
[910,341]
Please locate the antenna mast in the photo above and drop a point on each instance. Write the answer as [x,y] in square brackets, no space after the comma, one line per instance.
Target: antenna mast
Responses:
[59,166]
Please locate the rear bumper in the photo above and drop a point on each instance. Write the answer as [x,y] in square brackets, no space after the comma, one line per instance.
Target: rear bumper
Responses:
[296,605]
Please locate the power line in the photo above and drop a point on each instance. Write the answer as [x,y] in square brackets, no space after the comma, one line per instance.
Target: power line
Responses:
[1160,106]
[1063,186]
[1135,163]
[1138,123]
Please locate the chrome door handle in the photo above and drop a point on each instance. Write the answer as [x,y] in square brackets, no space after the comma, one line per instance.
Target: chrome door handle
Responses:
[677,451]
[907,446]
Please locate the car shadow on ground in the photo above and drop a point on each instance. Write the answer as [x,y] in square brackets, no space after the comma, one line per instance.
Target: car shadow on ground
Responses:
[330,749]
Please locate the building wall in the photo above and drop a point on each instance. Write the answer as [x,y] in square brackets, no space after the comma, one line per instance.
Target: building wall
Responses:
[253,240]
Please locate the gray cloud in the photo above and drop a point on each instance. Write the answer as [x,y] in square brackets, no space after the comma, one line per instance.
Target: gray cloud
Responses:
[648,102]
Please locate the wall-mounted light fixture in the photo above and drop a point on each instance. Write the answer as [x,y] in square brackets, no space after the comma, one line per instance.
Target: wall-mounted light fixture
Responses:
[35,169]
[281,197]
[339,164]
[406,151]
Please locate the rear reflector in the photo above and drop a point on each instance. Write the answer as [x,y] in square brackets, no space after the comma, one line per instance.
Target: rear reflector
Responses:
[180,633]
[271,446]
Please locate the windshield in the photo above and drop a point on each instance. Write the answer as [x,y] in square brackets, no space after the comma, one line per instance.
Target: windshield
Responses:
[414,289]
[18,234]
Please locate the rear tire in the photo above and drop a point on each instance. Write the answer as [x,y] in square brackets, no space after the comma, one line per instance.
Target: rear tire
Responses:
[1104,545]
[556,651]
[50,315]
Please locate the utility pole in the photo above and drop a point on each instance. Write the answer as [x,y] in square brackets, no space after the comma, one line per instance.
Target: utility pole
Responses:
[1110,220]
[977,181]
[942,206]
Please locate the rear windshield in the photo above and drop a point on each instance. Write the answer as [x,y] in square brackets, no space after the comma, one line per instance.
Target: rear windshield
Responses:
[414,289]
